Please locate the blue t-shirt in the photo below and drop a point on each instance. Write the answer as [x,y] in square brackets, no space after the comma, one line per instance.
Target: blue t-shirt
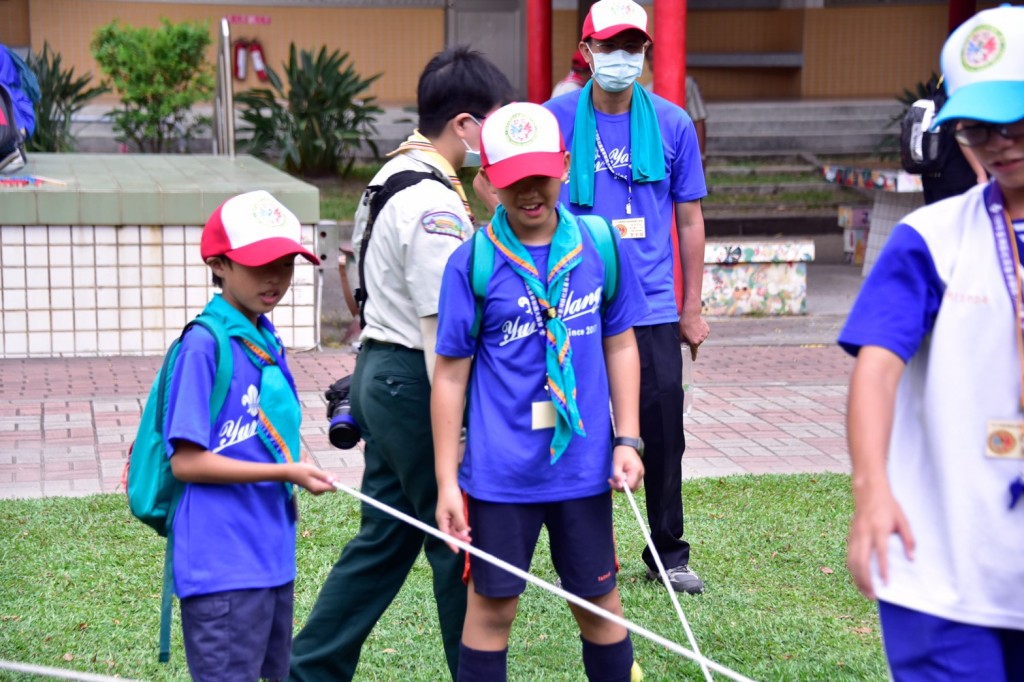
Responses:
[506,459]
[654,202]
[226,536]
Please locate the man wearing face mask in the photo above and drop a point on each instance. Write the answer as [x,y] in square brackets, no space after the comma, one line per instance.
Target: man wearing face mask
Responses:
[636,161]
[412,237]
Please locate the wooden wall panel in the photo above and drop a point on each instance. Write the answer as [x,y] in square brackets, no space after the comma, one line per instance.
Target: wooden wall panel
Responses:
[745,31]
[871,51]
[413,36]
[14,26]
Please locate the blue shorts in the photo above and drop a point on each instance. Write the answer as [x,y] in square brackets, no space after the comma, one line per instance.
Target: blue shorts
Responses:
[582,545]
[241,635]
[925,648]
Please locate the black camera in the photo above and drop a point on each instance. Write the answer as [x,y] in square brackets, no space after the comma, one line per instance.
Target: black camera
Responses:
[344,432]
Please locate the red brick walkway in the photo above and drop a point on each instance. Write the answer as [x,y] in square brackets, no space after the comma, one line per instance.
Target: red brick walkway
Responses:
[65,424]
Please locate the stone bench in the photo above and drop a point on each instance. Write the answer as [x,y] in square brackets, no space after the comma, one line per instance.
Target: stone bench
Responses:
[756,276]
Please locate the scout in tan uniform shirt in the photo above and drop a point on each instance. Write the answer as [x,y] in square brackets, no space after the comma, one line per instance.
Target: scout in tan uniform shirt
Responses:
[412,238]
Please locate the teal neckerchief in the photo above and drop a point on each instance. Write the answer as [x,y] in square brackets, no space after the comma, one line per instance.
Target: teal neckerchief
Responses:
[278,409]
[565,254]
[647,153]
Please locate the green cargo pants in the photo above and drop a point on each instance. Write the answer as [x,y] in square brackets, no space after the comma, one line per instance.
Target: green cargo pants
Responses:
[391,403]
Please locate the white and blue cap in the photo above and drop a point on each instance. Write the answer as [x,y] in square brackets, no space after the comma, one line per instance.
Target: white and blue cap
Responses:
[983,66]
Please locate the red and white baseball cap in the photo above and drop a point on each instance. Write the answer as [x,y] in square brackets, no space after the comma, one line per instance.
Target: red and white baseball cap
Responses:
[983,65]
[253,229]
[607,18]
[520,140]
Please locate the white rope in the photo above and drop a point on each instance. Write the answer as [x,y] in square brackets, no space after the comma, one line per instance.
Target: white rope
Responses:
[519,573]
[58,673]
[664,579]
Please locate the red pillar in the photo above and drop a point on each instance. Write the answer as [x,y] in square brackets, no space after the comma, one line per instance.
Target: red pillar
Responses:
[960,11]
[538,50]
[670,50]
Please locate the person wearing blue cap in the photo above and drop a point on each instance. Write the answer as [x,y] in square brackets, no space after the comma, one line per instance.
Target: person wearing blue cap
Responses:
[936,407]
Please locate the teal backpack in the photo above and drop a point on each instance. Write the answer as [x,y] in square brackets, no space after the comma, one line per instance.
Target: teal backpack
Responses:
[153,491]
[482,264]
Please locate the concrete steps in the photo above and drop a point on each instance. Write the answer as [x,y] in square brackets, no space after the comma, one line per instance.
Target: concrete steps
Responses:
[818,127]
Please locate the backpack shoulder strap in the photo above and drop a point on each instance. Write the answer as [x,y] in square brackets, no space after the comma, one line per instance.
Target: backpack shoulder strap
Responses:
[377,196]
[224,362]
[481,266]
[601,232]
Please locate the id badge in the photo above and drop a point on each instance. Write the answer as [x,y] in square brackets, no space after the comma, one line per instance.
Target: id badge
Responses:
[1003,439]
[544,415]
[631,228]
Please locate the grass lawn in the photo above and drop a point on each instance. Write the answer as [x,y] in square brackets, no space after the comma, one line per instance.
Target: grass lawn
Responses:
[81,585]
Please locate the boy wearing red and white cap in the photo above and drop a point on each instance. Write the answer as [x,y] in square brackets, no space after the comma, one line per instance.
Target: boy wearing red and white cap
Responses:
[539,354]
[936,409]
[234,529]
[636,161]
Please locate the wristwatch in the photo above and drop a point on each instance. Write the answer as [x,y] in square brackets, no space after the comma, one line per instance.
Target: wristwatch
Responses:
[635,443]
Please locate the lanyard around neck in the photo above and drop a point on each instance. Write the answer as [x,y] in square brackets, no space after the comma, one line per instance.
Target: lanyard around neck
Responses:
[1008,254]
[627,178]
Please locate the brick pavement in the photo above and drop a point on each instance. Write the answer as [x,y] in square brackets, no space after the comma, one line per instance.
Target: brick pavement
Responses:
[776,406]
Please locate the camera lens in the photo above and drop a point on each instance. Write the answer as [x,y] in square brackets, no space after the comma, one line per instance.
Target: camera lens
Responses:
[344,433]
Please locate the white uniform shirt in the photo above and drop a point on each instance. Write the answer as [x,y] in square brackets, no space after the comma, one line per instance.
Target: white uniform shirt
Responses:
[969,558]
[415,233]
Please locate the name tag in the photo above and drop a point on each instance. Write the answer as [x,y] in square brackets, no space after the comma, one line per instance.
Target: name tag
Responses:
[630,228]
[1004,439]
[544,415]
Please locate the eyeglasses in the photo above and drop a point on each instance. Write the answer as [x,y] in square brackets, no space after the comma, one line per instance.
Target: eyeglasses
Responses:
[977,135]
[632,47]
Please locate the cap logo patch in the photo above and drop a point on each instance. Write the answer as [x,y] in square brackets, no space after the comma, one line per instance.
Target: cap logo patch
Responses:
[267,212]
[520,129]
[623,9]
[983,48]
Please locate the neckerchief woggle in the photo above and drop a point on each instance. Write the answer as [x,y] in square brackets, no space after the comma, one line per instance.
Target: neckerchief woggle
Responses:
[566,254]
[277,408]
[1009,264]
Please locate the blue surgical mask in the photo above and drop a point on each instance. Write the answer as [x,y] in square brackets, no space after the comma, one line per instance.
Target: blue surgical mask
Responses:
[618,70]
[472,159]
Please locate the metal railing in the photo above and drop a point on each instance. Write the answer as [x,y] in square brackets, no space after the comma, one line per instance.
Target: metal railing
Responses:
[224,98]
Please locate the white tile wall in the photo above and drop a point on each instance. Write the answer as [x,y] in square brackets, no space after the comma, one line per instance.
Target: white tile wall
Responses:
[125,290]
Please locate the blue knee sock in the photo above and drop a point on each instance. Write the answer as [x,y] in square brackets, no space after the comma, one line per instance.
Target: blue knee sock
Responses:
[608,662]
[482,666]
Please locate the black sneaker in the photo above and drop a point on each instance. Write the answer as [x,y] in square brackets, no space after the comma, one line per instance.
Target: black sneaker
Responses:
[682,578]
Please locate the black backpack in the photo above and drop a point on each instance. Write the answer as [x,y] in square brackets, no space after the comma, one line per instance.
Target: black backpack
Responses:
[376,196]
[922,151]
[12,142]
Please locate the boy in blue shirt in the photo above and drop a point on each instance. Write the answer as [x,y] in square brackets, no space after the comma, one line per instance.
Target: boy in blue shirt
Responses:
[234,529]
[539,451]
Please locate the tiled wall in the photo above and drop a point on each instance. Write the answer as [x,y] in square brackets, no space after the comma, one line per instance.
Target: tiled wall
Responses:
[79,291]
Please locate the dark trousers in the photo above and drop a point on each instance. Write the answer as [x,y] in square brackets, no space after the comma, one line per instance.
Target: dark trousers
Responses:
[661,427]
[391,403]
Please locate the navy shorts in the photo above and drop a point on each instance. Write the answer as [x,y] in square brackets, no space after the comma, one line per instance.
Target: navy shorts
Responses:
[241,635]
[582,545]
[923,648]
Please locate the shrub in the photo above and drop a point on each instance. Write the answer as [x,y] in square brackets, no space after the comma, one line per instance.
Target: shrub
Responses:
[61,97]
[314,128]
[159,75]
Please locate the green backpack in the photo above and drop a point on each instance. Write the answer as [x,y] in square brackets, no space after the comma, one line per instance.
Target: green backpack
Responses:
[153,491]
[482,264]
